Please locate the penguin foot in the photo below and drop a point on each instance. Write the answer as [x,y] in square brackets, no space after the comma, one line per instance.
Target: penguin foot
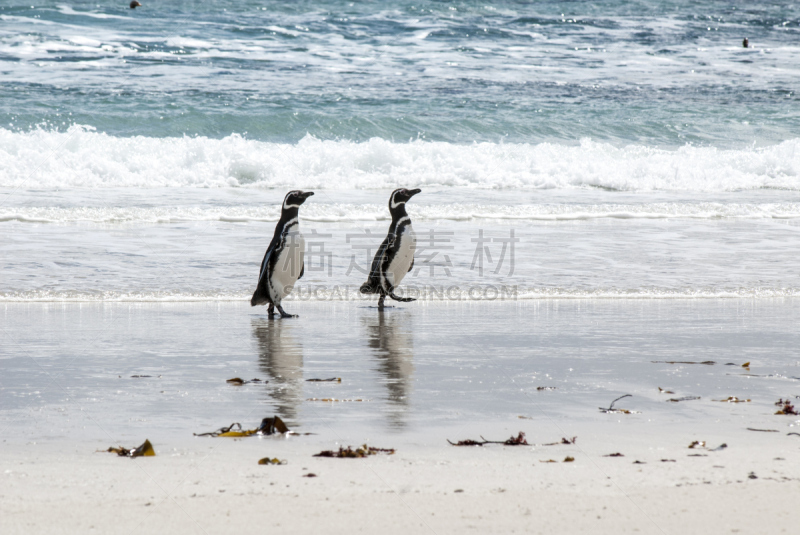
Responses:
[401,299]
[380,301]
[285,314]
[271,311]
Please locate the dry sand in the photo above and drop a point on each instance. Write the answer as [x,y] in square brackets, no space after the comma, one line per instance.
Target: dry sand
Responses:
[216,486]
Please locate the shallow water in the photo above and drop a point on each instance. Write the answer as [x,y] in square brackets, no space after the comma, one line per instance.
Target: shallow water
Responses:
[426,372]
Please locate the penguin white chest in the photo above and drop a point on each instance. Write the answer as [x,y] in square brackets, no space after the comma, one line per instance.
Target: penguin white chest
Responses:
[288,265]
[400,264]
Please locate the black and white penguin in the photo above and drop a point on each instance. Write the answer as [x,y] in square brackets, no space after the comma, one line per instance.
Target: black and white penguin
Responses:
[283,262]
[395,257]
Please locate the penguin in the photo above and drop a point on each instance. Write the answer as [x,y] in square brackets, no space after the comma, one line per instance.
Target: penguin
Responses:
[395,257]
[283,263]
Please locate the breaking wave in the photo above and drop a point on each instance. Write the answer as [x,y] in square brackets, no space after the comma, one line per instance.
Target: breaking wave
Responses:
[84,158]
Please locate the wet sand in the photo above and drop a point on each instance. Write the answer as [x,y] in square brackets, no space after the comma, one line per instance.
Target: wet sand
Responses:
[425,372]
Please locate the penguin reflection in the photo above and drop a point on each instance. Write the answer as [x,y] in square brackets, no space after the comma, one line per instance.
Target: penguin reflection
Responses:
[390,336]
[280,356]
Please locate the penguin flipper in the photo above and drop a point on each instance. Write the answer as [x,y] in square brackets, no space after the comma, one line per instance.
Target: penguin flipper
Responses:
[373,283]
[411,266]
[261,295]
[302,270]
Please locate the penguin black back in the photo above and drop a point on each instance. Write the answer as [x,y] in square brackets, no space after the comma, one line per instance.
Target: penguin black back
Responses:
[392,249]
[288,220]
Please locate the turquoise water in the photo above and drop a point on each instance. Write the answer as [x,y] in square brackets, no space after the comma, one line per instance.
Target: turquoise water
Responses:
[656,73]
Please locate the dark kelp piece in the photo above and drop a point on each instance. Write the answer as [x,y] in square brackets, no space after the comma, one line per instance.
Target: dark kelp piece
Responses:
[331,380]
[786,407]
[614,455]
[310,474]
[569,459]
[685,398]
[144,450]
[540,388]
[334,400]
[706,362]
[763,430]
[468,442]
[564,440]
[661,390]
[358,453]
[237,381]
[518,440]
[271,426]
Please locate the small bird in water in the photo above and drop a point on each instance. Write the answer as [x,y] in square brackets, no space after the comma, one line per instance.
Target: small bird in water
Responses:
[395,257]
[135,4]
[283,263]
[746,43]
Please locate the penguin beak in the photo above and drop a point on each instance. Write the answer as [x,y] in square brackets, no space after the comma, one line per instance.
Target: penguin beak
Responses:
[306,195]
[413,192]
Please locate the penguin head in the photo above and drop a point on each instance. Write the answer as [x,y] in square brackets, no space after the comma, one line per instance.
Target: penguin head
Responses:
[400,196]
[295,198]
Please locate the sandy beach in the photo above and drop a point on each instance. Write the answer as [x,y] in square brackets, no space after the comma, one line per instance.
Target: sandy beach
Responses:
[424,378]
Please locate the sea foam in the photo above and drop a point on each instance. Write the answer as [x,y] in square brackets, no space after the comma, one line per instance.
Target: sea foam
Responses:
[84,158]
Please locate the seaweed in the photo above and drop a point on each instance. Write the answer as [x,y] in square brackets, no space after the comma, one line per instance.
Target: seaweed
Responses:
[786,407]
[611,408]
[310,474]
[763,430]
[732,399]
[662,391]
[331,380]
[143,450]
[468,442]
[697,444]
[618,454]
[568,459]
[237,381]
[269,426]
[685,398]
[267,460]
[358,453]
[706,362]
[518,440]
[540,388]
[334,400]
